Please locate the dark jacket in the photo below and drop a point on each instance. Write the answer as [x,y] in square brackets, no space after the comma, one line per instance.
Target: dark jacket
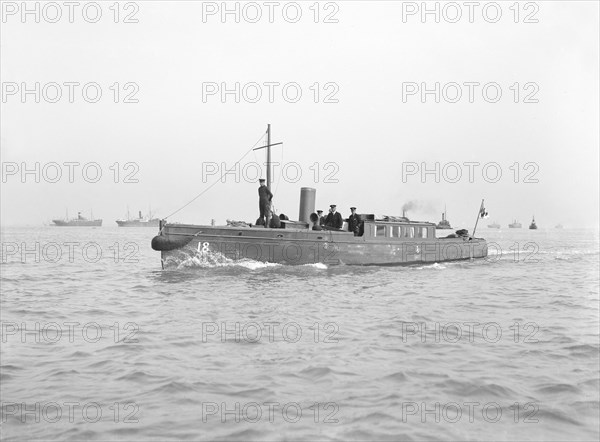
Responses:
[334,220]
[354,224]
[264,193]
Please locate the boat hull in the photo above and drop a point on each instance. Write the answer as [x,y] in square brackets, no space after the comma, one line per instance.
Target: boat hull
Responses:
[178,243]
[137,223]
[78,223]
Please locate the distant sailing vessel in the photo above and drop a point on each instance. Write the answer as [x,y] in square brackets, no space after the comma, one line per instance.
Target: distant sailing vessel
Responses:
[515,225]
[533,225]
[444,224]
[140,221]
[387,240]
[80,221]
[494,225]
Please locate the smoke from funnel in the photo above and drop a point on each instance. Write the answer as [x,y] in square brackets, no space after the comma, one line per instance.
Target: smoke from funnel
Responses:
[418,206]
[409,205]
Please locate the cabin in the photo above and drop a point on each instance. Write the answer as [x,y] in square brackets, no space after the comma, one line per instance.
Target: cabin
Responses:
[390,230]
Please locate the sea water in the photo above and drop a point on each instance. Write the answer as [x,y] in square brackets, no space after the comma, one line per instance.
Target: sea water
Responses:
[99,343]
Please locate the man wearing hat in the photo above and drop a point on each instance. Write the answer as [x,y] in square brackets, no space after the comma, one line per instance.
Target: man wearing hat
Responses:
[264,201]
[321,219]
[354,222]
[334,220]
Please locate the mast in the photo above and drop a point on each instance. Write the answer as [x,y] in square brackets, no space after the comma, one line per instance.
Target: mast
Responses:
[269,156]
[268,147]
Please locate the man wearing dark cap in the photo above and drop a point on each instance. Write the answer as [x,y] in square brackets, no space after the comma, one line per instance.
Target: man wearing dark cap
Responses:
[354,222]
[334,220]
[264,201]
[321,220]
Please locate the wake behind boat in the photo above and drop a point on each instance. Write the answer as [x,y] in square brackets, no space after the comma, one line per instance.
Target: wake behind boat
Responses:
[385,240]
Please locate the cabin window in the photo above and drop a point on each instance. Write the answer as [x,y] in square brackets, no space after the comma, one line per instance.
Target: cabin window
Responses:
[396,231]
[423,232]
[412,232]
[380,231]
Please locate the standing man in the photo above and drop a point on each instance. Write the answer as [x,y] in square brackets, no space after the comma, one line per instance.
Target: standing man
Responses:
[334,220]
[354,222]
[264,201]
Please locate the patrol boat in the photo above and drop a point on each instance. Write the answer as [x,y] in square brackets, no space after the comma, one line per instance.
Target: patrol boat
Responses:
[385,240]
[494,225]
[444,224]
[515,225]
[533,225]
[140,221]
[80,221]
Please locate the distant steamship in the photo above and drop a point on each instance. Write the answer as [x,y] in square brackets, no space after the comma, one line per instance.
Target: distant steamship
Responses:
[444,224]
[515,225]
[80,221]
[140,221]
[533,225]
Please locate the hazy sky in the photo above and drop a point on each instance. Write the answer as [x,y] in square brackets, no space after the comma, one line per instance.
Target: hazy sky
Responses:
[174,55]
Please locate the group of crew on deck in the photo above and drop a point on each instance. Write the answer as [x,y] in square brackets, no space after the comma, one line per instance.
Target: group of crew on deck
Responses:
[333,220]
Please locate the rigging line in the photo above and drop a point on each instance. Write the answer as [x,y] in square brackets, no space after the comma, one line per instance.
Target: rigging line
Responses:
[215,183]
[255,157]
[280,171]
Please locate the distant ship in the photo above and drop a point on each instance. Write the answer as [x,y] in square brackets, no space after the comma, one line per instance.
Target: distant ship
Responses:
[494,225]
[533,225]
[558,226]
[80,221]
[515,225]
[444,224]
[140,221]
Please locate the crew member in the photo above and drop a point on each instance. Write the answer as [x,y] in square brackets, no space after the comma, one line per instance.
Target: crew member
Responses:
[321,218]
[354,222]
[334,220]
[264,201]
